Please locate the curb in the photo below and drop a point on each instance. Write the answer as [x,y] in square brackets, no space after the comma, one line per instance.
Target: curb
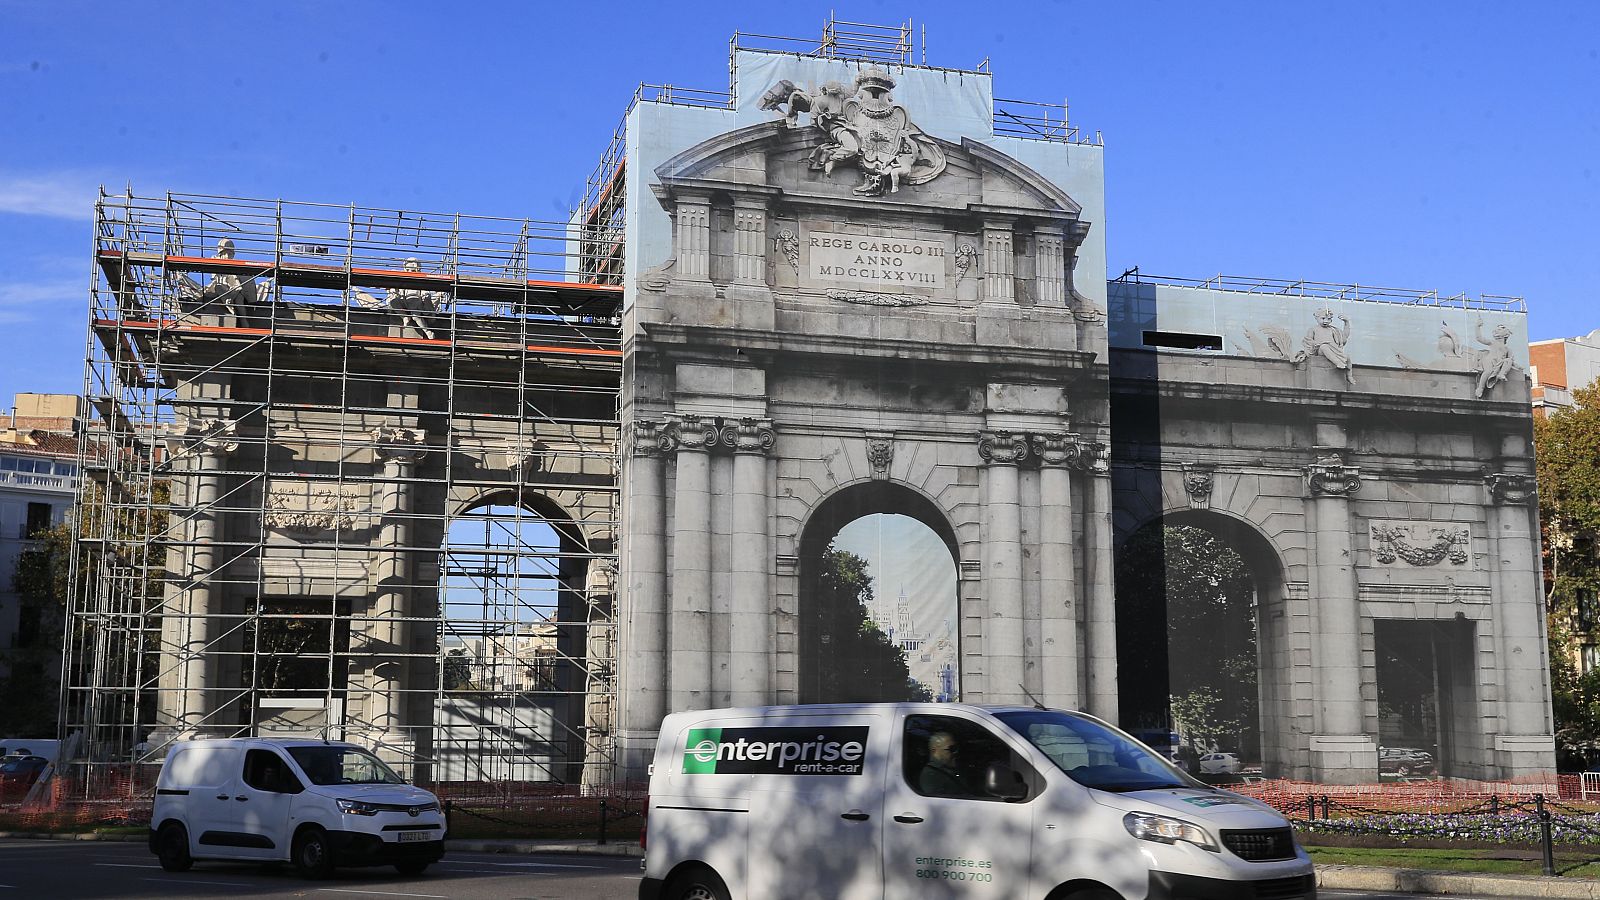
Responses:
[620,848]
[86,836]
[1424,881]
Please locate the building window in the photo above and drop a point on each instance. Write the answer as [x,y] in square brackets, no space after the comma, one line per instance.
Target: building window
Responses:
[1588,609]
[1590,658]
[8,464]
[38,520]
[1180,340]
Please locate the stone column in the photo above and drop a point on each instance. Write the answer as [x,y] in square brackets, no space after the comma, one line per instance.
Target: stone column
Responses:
[1002,566]
[693,244]
[645,605]
[1102,619]
[210,442]
[1052,267]
[1058,663]
[751,621]
[1341,751]
[999,264]
[750,242]
[1526,743]
[385,629]
[690,662]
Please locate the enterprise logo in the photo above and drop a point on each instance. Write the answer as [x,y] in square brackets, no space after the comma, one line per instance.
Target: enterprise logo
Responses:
[775,751]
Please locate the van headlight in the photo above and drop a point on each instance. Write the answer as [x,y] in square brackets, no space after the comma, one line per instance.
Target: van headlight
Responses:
[357,808]
[1148,827]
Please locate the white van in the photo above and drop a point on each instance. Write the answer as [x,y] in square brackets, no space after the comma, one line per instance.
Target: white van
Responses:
[317,803]
[933,801]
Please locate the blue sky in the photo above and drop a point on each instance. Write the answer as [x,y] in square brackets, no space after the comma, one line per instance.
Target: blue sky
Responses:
[1435,146]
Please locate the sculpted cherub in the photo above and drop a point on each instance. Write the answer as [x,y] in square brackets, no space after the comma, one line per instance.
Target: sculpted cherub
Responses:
[1327,341]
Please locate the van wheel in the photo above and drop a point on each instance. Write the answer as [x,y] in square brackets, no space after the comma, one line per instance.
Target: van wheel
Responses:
[313,856]
[172,848]
[411,868]
[696,883]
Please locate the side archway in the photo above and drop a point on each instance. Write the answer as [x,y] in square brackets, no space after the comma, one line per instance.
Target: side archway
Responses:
[511,652]
[1202,641]
[879,603]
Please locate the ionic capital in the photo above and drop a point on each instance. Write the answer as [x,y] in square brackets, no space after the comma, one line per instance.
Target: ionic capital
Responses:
[693,433]
[1511,488]
[1330,477]
[216,437]
[393,443]
[653,437]
[749,435]
[1002,448]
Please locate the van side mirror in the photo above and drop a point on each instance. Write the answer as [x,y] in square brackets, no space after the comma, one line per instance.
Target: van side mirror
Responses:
[1002,781]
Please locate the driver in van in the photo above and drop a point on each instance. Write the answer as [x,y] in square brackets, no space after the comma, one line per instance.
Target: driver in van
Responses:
[939,777]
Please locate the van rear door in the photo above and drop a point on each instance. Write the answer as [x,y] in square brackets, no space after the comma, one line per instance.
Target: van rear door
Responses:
[207,772]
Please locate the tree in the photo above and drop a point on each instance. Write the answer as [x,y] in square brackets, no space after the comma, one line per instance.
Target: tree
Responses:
[860,663]
[457,670]
[1186,642]
[1567,450]
[29,690]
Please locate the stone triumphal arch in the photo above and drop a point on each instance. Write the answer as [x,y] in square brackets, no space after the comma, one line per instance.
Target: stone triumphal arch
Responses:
[836,288]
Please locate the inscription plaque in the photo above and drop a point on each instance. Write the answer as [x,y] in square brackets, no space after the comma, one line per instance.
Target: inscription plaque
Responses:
[868,261]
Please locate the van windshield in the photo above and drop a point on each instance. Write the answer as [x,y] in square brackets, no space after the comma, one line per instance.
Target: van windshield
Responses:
[1095,755]
[343,765]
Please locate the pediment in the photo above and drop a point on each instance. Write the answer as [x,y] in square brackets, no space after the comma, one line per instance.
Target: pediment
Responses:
[780,161]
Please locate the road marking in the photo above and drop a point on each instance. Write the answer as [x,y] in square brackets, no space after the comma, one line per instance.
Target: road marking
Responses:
[383,892]
[541,865]
[191,881]
[127,865]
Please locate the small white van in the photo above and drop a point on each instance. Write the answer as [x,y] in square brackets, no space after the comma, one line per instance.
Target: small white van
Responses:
[319,804]
[934,801]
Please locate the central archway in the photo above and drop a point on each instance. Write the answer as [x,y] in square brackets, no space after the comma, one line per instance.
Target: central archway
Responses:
[879,599]
[1199,613]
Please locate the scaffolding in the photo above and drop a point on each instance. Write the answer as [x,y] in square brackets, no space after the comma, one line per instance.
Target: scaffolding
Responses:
[352,473]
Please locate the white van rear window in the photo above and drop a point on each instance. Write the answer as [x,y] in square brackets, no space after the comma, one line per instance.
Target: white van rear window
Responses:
[199,767]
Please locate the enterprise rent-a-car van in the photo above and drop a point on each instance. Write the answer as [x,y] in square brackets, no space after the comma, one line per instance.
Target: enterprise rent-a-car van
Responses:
[932,801]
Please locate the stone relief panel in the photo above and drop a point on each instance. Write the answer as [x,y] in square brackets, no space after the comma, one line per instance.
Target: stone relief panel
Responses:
[1416,544]
[864,128]
[313,509]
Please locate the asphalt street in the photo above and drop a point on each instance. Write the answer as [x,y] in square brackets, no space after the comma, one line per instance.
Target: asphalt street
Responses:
[85,869]
[72,869]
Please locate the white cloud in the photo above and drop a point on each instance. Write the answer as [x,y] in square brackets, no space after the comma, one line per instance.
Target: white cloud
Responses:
[25,301]
[58,195]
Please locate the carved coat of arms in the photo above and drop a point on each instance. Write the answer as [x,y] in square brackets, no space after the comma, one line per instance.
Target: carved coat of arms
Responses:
[866,129]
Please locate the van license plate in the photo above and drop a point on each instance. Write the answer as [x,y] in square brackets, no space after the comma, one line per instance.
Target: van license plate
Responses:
[407,837]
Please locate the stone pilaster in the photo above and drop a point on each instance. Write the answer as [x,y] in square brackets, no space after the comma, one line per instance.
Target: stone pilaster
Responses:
[1526,741]
[386,638]
[750,243]
[1058,653]
[1341,751]
[690,662]
[999,264]
[751,621]
[1002,566]
[1102,619]
[644,618]
[1051,275]
[693,244]
[208,443]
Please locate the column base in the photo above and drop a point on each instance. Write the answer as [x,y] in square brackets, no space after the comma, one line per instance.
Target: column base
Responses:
[1344,759]
[636,750]
[1526,756]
